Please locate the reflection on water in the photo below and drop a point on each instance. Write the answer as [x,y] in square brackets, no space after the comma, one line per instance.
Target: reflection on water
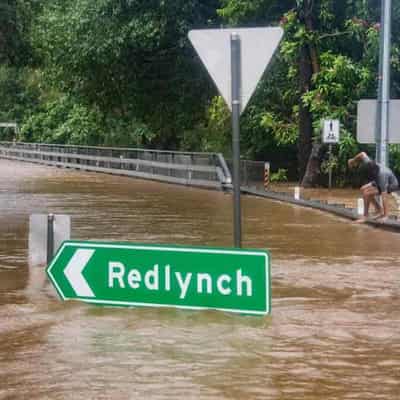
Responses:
[333,334]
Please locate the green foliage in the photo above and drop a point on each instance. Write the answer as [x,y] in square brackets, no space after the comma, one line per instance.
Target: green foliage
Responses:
[214,134]
[258,12]
[336,88]
[126,133]
[235,11]
[218,127]
[18,94]
[329,164]
[395,158]
[15,21]
[63,121]
[279,176]
[283,133]
[131,59]
[346,149]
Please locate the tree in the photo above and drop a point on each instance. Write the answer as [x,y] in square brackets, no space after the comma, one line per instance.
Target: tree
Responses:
[129,58]
[18,93]
[330,53]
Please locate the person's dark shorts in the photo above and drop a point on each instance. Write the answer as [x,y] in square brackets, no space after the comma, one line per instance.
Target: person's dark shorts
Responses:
[387,182]
[392,188]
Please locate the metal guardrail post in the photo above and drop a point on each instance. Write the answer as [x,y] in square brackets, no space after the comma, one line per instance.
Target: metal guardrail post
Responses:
[228,177]
[267,167]
[50,238]
[245,172]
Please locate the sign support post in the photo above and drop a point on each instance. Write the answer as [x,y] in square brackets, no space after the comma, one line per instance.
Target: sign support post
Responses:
[236,106]
[50,238]
[331,135]
[330,166]
[384,84]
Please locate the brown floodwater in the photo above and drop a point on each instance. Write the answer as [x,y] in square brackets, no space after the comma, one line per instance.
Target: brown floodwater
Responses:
[334,332]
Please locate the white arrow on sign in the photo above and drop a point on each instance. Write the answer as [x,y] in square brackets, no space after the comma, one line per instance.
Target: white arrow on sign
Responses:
[74,269]
[258,45]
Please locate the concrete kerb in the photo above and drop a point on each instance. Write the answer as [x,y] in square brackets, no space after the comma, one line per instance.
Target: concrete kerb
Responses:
[336,209]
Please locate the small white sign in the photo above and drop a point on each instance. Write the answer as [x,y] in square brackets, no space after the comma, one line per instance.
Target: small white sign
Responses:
[331,132]
[38,228]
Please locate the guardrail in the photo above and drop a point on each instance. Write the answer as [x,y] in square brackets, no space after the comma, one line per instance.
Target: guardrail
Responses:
[187,168]
[252,173]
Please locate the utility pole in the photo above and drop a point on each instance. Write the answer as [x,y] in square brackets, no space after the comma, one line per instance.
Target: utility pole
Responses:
[382,137]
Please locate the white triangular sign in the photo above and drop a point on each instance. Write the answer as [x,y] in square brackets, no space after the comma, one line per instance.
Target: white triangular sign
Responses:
[258,46]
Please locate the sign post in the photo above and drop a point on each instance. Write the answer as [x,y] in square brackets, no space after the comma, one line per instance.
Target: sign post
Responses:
[236,105]
[382,151]
[331,135]
[122,274]
[236,60]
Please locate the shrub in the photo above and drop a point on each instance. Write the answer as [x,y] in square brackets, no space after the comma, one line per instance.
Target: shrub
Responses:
[279,176]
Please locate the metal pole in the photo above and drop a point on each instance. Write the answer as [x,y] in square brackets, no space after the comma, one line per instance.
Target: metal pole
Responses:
[378,138]
[50,238]
[330,166]
[384,87]
[243,167]
[236,108]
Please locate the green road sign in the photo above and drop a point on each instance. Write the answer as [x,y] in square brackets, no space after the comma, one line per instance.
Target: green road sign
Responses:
[122,274]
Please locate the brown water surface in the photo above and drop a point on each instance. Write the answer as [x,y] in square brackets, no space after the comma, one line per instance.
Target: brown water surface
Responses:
[334,332]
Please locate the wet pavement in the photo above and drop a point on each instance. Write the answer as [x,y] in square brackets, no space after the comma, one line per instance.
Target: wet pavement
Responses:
[334,332]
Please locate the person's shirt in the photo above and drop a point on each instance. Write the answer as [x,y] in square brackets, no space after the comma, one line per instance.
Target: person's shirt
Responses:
[383,177]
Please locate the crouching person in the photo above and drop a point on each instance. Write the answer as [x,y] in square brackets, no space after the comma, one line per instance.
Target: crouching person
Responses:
[381,182]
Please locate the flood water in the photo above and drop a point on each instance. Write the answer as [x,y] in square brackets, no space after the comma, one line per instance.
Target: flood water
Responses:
[334,332]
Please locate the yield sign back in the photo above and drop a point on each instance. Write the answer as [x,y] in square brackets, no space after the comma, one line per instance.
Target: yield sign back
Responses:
[258,46]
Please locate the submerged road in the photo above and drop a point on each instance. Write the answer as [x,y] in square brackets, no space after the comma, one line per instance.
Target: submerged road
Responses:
[333,334]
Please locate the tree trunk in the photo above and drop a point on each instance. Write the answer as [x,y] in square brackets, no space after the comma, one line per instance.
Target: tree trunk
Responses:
[309,65]
[305,118]
[313,173]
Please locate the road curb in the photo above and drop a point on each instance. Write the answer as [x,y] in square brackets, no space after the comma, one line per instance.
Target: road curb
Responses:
[339,210]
